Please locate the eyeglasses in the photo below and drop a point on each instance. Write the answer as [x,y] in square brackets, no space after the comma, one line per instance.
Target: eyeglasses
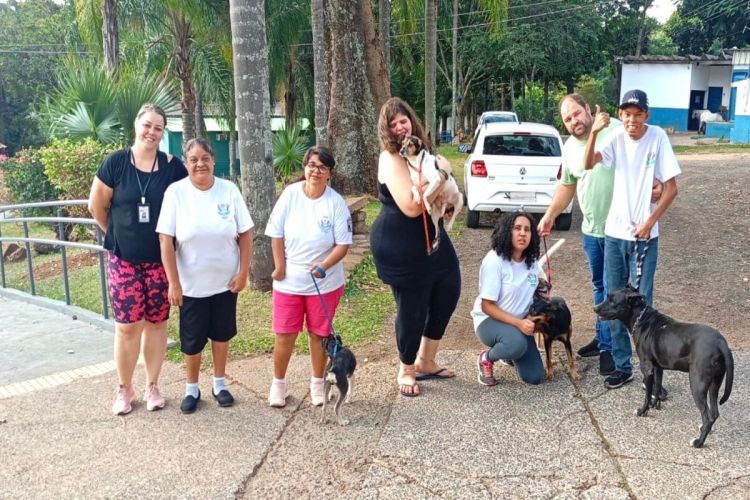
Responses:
[323,169]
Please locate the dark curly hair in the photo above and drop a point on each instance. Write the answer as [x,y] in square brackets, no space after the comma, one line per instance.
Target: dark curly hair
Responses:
[502,237]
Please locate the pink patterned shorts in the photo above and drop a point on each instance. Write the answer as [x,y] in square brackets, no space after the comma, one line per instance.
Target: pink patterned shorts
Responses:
[138,291]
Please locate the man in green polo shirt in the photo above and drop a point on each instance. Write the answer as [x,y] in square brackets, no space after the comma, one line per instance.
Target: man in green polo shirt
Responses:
[594,189]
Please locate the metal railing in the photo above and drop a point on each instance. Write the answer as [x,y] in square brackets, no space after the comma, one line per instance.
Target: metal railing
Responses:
[60,220]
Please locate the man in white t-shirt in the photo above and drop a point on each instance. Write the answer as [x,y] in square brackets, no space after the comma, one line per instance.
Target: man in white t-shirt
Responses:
[639,153]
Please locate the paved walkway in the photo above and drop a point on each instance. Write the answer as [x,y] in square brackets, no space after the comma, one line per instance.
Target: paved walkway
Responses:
[459,440]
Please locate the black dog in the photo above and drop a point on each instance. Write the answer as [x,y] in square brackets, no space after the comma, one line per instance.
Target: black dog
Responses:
[552,319]
[665,344]
[339,372]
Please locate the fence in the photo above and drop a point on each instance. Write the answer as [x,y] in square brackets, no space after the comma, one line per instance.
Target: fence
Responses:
[19,215]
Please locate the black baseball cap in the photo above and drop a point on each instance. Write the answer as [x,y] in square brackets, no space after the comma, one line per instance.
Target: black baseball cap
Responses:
[635,98]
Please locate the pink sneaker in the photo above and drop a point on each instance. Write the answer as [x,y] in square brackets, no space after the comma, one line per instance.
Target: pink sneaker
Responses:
[123,400]
[153,397]
[485,367]
[278,394]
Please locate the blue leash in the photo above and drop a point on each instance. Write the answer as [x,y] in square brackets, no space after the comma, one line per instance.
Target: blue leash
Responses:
[325,308]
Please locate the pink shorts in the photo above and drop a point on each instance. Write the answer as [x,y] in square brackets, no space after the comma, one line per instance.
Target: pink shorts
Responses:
[290,311]
[137,291]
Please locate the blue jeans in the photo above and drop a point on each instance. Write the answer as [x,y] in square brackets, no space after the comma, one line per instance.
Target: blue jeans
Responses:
[621,257]
[594,248]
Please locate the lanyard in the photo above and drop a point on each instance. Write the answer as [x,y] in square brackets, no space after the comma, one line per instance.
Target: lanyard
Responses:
[138,177]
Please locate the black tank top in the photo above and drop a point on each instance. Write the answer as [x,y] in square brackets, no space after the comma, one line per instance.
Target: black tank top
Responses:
[399,249]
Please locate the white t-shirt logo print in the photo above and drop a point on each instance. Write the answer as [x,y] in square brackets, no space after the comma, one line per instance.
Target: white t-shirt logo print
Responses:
[325,223]
[223,210]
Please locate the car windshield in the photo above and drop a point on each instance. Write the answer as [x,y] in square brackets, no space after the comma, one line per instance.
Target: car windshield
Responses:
[499,118]
[521,145]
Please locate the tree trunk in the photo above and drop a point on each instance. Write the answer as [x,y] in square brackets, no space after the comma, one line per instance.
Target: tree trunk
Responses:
[430,63]
[290,95]
[642,27]
[232,153]
[320,63]
[454,96]
[183,36]
[200,123]
[253,101]
[545,102]
[356,63]
[512,95]
[111,37]
[384,32]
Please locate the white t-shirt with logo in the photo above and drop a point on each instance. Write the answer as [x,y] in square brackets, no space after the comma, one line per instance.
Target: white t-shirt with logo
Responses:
[637,164]
[205,225]
[510,284]
[311,229]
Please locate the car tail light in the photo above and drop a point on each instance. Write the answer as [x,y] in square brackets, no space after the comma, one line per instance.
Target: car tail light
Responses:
[559,173]
[478,168]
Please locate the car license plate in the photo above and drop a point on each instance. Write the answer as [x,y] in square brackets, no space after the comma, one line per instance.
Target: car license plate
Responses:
[523,197]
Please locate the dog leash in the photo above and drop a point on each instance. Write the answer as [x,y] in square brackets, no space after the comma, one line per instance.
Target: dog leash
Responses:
[325,308]
[549,263]
[421,200]
[639,258]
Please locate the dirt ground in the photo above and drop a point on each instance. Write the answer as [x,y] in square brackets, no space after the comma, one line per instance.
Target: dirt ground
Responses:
[703,273]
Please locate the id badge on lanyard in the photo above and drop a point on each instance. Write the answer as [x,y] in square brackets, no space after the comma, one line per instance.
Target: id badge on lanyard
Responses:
[144,209]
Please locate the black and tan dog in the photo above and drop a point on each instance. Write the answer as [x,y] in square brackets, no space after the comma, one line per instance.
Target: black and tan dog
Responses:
[339,372]
[665,344]
[552,319]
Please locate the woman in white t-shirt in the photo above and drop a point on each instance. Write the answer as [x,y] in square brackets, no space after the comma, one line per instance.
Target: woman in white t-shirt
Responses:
[508,278]
[206,244]
[311,230]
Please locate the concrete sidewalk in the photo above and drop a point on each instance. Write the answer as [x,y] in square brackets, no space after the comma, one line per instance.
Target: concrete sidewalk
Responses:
[458,440]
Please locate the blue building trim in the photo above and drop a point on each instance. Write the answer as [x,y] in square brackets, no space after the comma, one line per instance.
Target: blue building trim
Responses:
[669,117]
[741,131]
[719,129]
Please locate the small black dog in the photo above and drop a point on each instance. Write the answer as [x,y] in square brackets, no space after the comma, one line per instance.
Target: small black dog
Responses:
[665,344]
[339,372]
[552,319]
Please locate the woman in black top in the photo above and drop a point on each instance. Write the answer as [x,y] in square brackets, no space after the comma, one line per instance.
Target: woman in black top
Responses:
[426,287]
[125,200]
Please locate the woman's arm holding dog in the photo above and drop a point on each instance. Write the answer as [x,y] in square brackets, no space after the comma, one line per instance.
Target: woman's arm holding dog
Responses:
[491,309]
[394,173]
[338,253]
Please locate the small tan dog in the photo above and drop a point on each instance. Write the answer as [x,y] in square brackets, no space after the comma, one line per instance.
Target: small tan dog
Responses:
[418,157]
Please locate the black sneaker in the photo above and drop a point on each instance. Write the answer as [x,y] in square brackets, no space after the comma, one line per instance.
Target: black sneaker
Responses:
[617,379]
[190,403]
[606,363]
[590,350]
[663,394]
[224,397]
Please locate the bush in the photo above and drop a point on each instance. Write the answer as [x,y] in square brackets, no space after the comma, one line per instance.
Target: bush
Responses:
[70,166]
[289,147]
[24,176]
[530,108]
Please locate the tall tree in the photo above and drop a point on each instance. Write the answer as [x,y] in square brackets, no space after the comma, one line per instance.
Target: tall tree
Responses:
[111,37]
[430,58]
[384,30]
[320,51]
[359,86]
[254,119]
[642,26]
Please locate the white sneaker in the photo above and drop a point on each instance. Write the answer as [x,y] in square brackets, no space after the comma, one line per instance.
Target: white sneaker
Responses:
[123,400]
[317,393]
[278,394]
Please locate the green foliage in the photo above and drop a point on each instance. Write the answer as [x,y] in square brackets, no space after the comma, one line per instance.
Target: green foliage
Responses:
[289,146]
[33,36]
[70,165]
[24,176]
[530,108]
[88,103]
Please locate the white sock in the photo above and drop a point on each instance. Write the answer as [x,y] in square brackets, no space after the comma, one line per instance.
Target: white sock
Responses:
[279,380]
[192,390]
[315,380]
[220,383]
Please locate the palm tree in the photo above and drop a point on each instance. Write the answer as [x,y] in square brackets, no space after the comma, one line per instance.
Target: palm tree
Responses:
[430,63]
[320,51]
[111,36]
[384,30]
[253,117]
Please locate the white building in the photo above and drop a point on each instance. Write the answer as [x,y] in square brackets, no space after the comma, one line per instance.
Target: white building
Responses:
[677,85]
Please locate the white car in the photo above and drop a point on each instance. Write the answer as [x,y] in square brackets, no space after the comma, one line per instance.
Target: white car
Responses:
[513,167]
[497,117]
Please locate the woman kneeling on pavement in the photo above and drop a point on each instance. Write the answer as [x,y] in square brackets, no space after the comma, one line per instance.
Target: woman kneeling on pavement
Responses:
[206,243]
[311,230]
[508,278]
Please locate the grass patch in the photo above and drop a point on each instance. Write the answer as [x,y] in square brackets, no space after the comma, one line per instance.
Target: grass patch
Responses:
[712,148]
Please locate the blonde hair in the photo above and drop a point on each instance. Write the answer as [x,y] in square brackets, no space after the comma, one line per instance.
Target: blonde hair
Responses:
[153,108]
